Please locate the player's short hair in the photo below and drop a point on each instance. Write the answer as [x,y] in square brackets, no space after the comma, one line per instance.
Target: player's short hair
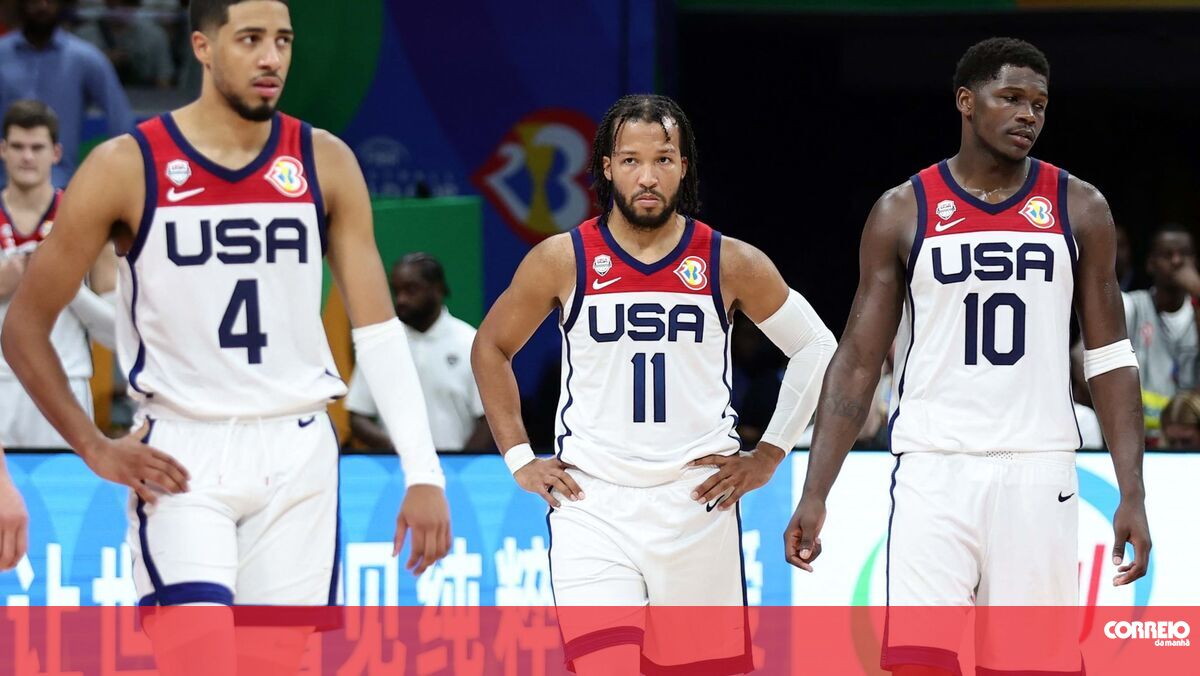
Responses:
[1184,409]
[428,267]
[206,15]
[1170,228]
[30,114]
[645,108]
[983,60]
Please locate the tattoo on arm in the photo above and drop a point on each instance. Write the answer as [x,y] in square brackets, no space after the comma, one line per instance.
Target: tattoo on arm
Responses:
[845,407]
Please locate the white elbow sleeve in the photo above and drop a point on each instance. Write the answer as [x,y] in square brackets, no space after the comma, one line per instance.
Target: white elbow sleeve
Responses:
[97,314]
[796,329]
[385,360]
[1104,359]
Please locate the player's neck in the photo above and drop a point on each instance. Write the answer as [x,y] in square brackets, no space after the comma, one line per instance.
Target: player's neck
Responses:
[36,199]
[986,175]
[645,244]
[1168,300]
[209,123]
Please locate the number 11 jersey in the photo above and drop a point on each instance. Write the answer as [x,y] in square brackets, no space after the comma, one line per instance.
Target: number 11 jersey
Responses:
[221,290]
[983,349]
[646,366]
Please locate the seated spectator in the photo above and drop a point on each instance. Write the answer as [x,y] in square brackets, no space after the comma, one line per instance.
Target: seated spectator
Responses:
[441,350]
[1181,422]
[137,46]
[1162,324]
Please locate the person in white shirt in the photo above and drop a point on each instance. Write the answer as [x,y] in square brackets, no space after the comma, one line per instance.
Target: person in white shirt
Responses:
[441,348]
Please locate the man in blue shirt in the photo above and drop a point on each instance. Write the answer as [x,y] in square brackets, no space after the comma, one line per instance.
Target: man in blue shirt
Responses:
[46,63]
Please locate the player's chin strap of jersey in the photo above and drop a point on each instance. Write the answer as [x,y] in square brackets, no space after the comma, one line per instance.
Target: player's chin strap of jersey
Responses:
[1104,359]
[385,360]
[796,329]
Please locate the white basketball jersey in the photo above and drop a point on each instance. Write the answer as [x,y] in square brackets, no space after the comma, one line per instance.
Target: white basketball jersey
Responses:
[983,351]
[646,373]
[221,291]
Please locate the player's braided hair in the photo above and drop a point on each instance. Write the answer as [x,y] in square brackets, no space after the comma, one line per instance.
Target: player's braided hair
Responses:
[646,108]
[983,61]
[209,14]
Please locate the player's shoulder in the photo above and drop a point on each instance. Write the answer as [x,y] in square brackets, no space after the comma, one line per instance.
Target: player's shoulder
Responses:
[898,200]
[329,147]
[1087,208]
[117,157]
[737,254]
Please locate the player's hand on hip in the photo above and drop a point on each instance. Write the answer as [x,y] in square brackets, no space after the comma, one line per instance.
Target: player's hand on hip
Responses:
[736,475]
[14,524]
[133,462]
[1130,526]
[545,475]
[802,539]
[426,513]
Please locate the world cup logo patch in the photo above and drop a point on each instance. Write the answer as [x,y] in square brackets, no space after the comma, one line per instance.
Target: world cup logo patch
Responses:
[691,272]
[287,175]
[1038,212]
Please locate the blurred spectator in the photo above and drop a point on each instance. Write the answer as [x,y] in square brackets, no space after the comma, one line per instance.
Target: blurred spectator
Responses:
[46,63]
[28,202]
[1181,422]
[441,350]
[1124,259]
[1162,324]
[137,46]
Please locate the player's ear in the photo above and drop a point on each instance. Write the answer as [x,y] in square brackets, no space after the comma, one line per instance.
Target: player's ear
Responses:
[607,167]
[202,48]
[683,165]
[964,100]
[58,153]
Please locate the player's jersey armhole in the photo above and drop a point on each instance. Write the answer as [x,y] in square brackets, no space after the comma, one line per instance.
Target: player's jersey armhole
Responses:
[314,185]
[919,236]
[718,301]
[580,277]
[151,198]
[1064,217]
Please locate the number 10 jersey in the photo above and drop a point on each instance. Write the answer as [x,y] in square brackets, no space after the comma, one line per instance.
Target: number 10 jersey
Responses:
[221,291]
[646,379]
[983,349]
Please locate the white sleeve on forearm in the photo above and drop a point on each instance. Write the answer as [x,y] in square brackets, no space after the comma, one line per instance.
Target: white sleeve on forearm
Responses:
[98,315]
[385,360]
[796,329]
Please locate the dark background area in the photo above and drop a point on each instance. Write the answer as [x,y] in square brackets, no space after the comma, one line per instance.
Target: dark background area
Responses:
[803,120]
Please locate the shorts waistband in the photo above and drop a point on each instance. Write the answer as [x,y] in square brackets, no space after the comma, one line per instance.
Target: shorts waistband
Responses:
[158,412]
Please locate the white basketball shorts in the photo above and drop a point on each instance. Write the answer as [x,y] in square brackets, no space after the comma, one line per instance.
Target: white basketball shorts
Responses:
[259,523]
[995,529]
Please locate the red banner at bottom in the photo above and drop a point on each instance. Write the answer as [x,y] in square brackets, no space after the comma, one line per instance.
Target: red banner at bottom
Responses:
[44,641]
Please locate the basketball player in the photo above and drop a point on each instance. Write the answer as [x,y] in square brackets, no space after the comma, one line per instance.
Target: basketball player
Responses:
[978,259]
[30,149]
[647,457]
[14,520]
[222,211]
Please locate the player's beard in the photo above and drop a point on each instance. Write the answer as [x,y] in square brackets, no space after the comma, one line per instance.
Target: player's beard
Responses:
[260,113]
[646,221]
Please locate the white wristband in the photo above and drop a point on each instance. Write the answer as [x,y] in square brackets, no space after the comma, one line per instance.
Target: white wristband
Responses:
[518,456]
[1104,359]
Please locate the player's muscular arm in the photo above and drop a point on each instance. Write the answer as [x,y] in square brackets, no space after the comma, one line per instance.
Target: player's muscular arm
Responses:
[382,348]
[756,288]
[853,373]
[84,223]
[542,283]
[1115,393]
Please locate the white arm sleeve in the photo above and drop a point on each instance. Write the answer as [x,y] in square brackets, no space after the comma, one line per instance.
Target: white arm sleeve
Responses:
[796,329]
[97,314]
[385,360]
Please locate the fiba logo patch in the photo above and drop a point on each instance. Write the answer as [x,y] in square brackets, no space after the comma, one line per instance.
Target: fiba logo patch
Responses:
[602,264]
[691,272]
[945,209]
[536,178]
[287,175]
[178,171]
[1038,212]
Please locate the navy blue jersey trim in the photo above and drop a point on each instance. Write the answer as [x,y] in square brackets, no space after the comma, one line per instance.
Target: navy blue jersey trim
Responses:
[1035,167]
[919,236]
[580,281]
[143,540]
[912,655]
[139,362]
[185,593]
[314,186]
[1063,178]
[45,214]
[225,173]
[647,268]
[887,566]
[151,198]
[334,578]
[570,396]
[910,270]
[714,274]
[726,380]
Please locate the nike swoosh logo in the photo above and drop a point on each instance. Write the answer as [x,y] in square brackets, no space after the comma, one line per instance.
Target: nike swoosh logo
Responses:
[711,507]
[597,284]
[1062,498]
[306,423]
[173,196]
[943,227]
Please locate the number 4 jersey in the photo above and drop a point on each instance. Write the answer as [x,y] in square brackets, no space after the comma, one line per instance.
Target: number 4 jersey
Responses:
[646,370]
[983,359]
[221,290]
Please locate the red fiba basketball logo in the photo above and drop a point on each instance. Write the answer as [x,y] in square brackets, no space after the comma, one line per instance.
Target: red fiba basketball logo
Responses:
[537,177]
